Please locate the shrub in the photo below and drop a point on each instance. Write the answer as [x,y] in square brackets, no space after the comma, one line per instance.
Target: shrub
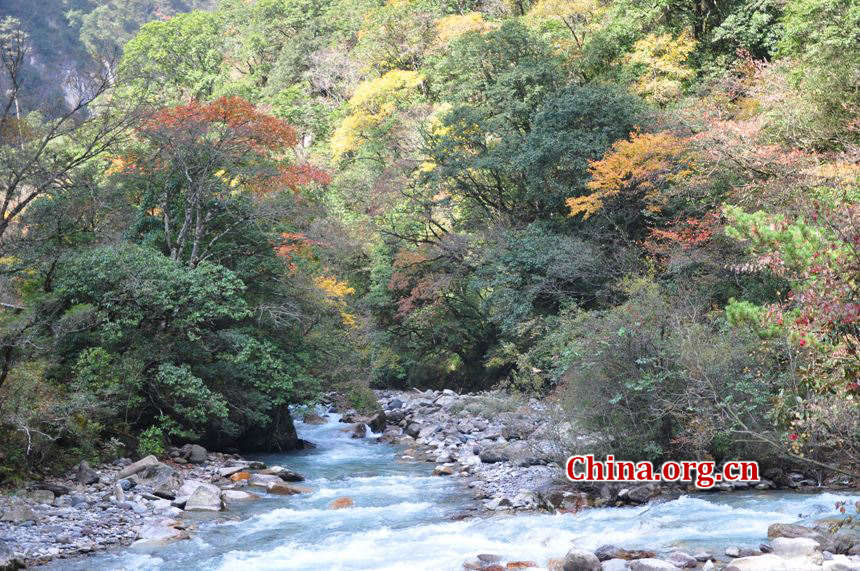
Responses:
[151,441]
[655,377]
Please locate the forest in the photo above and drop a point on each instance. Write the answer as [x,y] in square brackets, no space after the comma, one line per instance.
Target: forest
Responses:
[648,212]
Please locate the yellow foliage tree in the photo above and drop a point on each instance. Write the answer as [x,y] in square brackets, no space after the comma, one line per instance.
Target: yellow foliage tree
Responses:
[640,168]
[373,102]
[578,16]
[663,60]
[335,292]
[449,28]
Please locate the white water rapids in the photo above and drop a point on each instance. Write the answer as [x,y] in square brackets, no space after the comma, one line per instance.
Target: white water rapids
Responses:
[402,520]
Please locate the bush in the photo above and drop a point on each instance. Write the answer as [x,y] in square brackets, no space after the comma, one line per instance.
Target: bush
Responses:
[656,378]
[151,441]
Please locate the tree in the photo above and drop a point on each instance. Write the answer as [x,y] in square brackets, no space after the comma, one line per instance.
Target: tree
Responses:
[818,255]
[176,60]
[373,110]
[201,163]
[39,155]
[661,59]
[635,175]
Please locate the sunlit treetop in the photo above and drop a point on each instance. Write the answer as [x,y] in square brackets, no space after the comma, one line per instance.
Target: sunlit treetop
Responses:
[453,26]
[662,59]
[637,168]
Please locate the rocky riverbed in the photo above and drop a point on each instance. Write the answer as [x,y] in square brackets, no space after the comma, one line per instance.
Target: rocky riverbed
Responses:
[511,451]
[508,452]
[129,502]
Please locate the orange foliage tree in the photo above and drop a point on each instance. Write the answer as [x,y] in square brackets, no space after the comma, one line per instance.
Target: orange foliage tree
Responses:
[202,165]
[636,173]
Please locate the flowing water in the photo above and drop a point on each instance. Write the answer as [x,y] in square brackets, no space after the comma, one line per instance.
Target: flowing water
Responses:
[402,519]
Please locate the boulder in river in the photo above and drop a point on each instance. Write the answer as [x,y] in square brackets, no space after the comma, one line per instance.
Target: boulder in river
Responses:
[581,560]
[286,489]
[377,422]
[206,498]
[606,552]
[159,531]
[681,559]
[794,546]
[231,496]
[357,430]
[443,471]
[341,503]
[791,530]
[263,480]
[643,493]
[313,418]
[766,562]
[413,429]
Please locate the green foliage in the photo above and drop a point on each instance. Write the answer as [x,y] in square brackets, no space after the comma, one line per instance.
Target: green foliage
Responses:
[821,36]
[151,441]
[657,382]
[182,58]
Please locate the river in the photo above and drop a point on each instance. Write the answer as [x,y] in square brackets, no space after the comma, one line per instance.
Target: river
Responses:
[402,519]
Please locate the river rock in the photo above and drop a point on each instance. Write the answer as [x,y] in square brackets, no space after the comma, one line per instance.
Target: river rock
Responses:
[161,479]
[263,480]
[794,546]
[766,562]
[286,489]
[357,430]
[413,429]
[520,565]
[188,487]
[159,531]
[57,489]
[791,530]
[205,498]
[18,513]
[42,496]
[494,454]
[341,503]
[443,471]
[313,418]
[581,560]
[394,404]
[681,559]
[240,476]
[85,474]
[643,493]
[229,471]
[614,565]
[230,496]
[650,564]
[377,422]
[138,466]
[606,552]
[194,453]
